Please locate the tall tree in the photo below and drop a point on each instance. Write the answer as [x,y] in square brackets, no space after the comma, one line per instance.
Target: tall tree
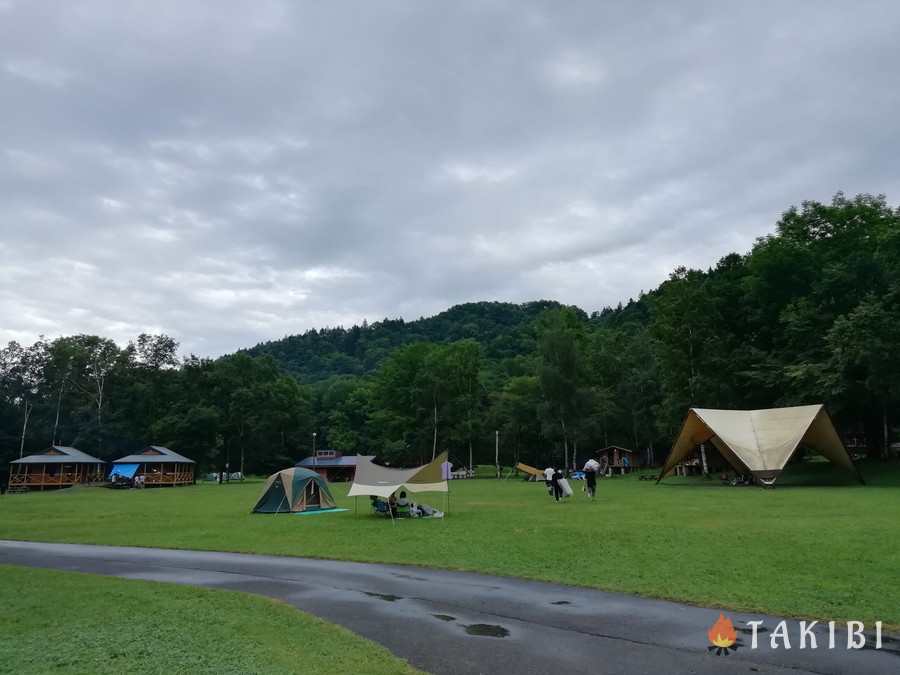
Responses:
[865,360]
[561,368]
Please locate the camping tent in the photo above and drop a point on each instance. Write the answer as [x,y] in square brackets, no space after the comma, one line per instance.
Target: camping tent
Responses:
[292,490]
[530,470]
[124,470]
[759,441]
[381,481]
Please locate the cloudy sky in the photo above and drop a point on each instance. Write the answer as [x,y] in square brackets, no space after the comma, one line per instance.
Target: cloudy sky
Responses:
[229,172]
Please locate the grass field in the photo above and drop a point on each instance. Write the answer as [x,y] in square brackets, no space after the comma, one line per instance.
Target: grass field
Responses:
[65,622]
[824,549]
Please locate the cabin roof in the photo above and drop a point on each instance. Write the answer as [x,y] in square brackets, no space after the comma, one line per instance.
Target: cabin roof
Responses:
[327,463]
[59,454]
[154,454]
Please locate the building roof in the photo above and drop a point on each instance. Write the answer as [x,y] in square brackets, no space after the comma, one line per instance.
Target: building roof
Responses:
[59,454]
[614,447]
[155,454]
[327,463]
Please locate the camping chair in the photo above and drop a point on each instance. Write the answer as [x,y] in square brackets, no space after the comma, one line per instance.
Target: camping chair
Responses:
[380,507]
[403,511]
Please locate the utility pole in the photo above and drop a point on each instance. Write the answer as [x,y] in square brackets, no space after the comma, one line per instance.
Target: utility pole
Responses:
[497,451]
[315,459]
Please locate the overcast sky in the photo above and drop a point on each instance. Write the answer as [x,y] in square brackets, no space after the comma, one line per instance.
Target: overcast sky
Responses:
[230,172]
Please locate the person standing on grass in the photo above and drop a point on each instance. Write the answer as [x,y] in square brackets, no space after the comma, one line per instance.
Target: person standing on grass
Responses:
[591,469]
[556,487]
[548,479]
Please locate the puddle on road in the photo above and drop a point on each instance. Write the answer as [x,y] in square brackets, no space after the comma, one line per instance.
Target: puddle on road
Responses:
[409,576]
[487,630]
[387,597]
[561,602]
[444,617]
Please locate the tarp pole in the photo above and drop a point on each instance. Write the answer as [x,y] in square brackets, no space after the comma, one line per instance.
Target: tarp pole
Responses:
[283,492]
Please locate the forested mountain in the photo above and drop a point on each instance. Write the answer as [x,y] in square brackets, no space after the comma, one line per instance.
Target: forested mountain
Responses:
[502,329]
[811,313]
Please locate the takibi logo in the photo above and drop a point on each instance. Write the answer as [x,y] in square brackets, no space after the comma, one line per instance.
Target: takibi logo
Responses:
[724,640]
[722,636]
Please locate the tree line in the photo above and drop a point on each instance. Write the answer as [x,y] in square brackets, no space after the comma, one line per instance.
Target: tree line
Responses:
[810,314]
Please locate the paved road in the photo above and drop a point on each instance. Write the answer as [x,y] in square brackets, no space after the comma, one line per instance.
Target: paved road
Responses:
[457,623]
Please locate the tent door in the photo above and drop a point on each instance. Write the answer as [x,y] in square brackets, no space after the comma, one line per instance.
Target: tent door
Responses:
[311,496]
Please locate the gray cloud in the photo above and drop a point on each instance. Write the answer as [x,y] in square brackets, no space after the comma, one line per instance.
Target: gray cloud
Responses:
[233,173]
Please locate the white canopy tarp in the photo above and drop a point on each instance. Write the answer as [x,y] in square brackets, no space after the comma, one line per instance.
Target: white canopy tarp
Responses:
[759,441]
[381,481]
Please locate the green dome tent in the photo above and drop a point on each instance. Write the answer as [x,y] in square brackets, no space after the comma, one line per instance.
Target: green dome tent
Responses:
[293,490]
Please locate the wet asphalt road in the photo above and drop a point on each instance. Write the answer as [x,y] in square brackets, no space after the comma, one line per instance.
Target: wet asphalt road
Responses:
[458,623]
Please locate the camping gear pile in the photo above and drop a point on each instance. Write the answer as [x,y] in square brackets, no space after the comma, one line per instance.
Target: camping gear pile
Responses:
[381,482]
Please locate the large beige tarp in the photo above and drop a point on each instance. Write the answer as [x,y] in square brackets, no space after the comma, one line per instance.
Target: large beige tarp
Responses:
[382,481]
[530,470]
[759,441]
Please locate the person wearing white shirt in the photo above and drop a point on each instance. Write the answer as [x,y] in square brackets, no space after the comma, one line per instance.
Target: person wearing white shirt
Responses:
[591,469]
[548,479]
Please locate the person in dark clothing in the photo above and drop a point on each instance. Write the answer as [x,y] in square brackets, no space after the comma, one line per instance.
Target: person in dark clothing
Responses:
[591,469]
[590,479]
[557,488]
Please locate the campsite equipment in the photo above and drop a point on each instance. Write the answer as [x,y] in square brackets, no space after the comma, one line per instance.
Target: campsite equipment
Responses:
[293,490]
[318,512]
[760,442]
[126,471]
[530,471]
[565,487]
[381,481]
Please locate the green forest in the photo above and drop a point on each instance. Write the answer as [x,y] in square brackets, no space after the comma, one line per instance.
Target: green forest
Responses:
[810,314]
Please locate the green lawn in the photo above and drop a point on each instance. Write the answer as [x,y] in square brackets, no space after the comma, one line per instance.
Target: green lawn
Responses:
[65,622]
[827,549]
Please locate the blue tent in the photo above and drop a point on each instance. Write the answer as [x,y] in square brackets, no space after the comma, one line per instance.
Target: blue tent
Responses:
[124,470]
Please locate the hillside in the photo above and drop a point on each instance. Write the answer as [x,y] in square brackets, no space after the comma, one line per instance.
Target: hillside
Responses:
[503,329]
[809,314]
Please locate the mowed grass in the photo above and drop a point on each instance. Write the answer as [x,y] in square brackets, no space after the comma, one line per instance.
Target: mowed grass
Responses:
[66,622]
[824,549]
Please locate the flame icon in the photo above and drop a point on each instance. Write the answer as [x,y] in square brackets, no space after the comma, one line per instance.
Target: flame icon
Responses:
[721,634]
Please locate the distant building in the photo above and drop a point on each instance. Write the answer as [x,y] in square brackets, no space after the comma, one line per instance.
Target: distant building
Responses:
[617,459]
[157,465]
[58,466]
[331,465]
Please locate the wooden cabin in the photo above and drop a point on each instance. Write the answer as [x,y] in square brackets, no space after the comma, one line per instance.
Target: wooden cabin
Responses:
[331,465]
[57,467]
[155,466]
[617,459]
